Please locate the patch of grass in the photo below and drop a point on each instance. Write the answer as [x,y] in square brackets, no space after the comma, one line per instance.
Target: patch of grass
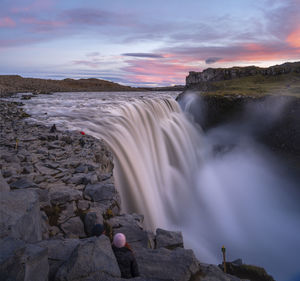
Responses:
[259,85]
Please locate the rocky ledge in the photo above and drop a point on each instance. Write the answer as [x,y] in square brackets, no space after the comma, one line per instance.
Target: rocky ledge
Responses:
[203,79]
[54,186]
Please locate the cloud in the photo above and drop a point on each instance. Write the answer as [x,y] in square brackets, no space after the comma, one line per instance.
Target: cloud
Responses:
[7,22]
[143,55]
[92,64]
[42,25]
[294,38]
[163,72]
[212,60]
[93,54]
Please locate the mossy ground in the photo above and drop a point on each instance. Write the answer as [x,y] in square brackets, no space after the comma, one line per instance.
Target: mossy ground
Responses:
[259,85]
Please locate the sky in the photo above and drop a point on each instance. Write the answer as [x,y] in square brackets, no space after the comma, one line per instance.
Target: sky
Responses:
[144,43]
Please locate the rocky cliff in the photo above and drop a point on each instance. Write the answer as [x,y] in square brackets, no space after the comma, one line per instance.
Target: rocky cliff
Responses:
[247,80]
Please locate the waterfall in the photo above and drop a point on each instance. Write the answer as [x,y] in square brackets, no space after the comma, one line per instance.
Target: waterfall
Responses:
[169,171]
[156,153]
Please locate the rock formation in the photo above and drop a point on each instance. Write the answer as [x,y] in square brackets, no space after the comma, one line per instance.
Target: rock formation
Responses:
[202,80]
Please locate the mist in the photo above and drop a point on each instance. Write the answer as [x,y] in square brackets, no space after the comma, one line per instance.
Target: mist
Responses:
[247,196]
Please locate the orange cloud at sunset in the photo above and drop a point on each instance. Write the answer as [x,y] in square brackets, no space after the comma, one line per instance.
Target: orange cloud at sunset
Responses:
[294,38]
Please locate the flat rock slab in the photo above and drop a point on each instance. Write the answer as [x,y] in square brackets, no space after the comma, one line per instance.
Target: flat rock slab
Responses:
[101,192]
[22,184]
[168,239]
[91,257]
[63,194]
[178,264]
[20,215]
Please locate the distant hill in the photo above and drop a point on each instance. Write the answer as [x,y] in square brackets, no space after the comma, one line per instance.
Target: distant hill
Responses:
[15,83]
[281,79]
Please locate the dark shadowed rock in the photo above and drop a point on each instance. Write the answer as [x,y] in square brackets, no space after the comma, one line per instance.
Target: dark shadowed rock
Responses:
[209,272]
[179,264]
[90,220]
[3,184]
[11,252]
[168,239]
[20,215]
[73,228]
[63,194]
[59,251]
[101,192]
[19,261]
[245,271]
[36,263]
[91,256]
[22,184]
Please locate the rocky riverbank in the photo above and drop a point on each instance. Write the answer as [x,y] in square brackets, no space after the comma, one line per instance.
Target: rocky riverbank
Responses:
[55,185]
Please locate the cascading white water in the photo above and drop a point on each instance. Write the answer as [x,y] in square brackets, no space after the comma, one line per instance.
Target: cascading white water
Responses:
[156,154]
[168,170]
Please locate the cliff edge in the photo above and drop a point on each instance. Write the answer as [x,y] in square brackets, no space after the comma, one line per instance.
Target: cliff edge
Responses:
[281,79]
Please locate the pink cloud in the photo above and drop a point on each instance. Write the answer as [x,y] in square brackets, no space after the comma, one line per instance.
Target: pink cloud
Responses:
[42,25]
[156,71]
[7,22]
[293,38]
[35,6]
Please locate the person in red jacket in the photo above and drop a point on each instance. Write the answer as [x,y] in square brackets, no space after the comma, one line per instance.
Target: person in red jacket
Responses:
[125,258]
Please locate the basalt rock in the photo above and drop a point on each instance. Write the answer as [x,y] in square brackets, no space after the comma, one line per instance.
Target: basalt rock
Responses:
[178,264]
[20,215]
[91,256]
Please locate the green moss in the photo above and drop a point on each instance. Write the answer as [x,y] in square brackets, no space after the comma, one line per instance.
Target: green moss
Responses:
[258,85]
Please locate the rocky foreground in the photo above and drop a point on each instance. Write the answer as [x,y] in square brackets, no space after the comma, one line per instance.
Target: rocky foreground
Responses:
[54,186]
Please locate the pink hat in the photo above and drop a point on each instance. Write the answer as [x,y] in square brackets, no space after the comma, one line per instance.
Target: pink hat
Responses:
[119,240]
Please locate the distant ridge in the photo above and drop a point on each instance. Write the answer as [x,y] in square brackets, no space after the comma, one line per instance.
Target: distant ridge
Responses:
[253,80]
[15,83]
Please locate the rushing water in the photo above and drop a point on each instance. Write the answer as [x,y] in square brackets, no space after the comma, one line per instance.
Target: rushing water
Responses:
[168,170]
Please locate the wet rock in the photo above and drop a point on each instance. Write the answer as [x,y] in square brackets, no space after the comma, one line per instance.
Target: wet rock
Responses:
[91,256]
[22,183]
[73,228]
[180,264]
[168,239]
[3,184]
[20,215]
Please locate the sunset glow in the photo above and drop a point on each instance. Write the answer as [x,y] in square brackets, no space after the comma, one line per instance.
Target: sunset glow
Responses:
[144,44]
